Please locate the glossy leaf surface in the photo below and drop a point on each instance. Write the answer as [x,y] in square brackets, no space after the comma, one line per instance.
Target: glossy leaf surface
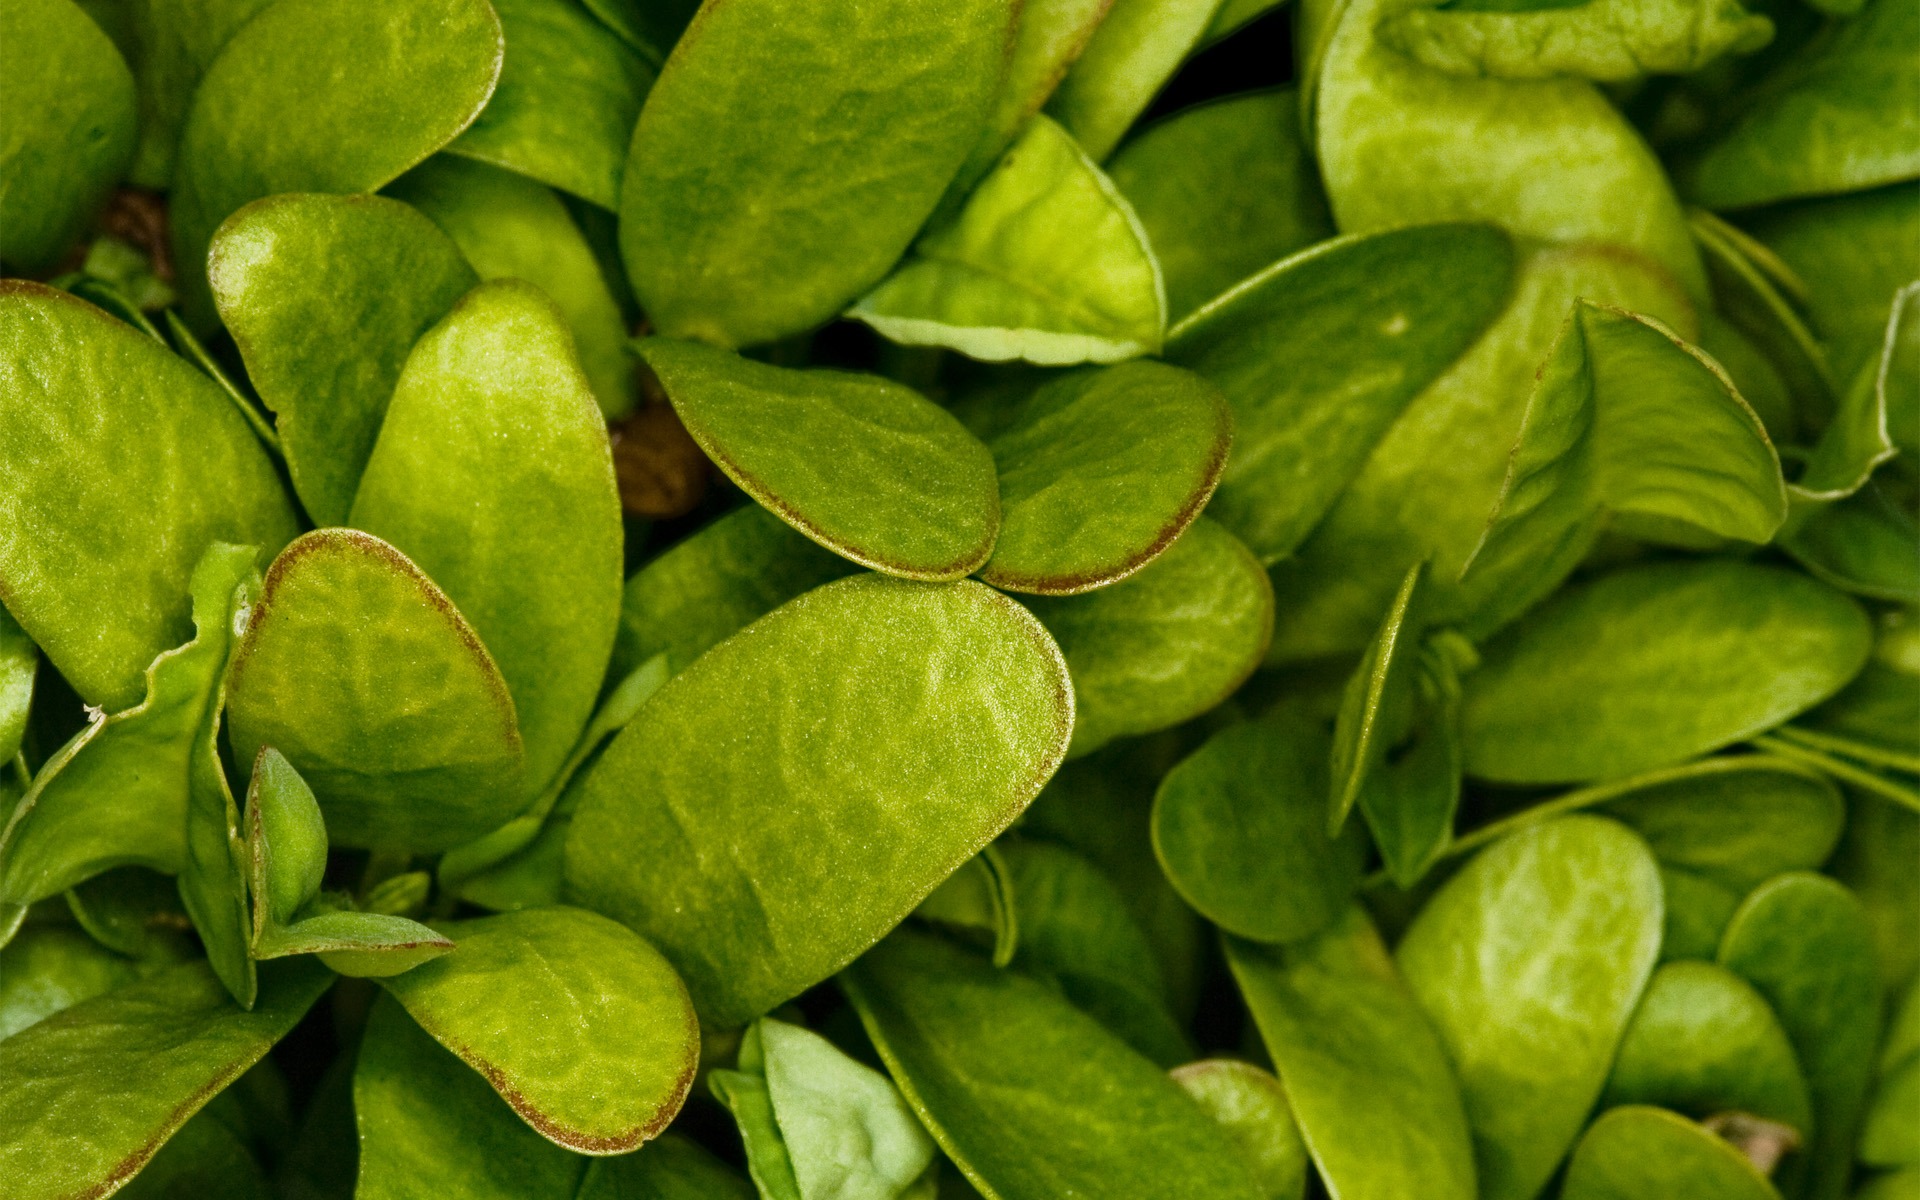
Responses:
[1639,1151]
[1252,1106]
[98,418]
[1029,1097]
[362,672]
[1529,963]
[1166,644]
[1100,472]
[1135,50]
[774,807]
[784,159]
[1046,262]
[867,467]
[1364,1070]
[325,295]
[1654,664]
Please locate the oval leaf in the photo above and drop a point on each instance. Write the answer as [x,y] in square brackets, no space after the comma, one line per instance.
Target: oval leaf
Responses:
[1639,1151]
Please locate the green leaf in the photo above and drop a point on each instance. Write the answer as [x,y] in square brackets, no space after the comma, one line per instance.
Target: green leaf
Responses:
[206,1159]
[1703,1042]
[101,421]
[1841,115]
[429,1125]
[1046,262]
[786,158]
[706,587]
[1638,1151]
[1100,472]
[47,969]
[1860,545]
[1252,1107]
[865,466]
[979,896]
[651,27]
[775,805]
[1803,941]
[1048,36]
[1029,1097]
[1627,418]
[325,295]
[1240,828]
[1166,644]
[1609,41]
[1136,49]
[493,474]
[173,42]
[511,226]
[70,128]
[1654,664]
[1762,298]
[361,671]
[1320,353]
[1894,1185]
[669,1168]
[569,94]
[1368,1079]
[1376,708]
[747,1097]
[19,664]
[1887,1137]
[1222,190]
[1529,963]
[595,1049]
[325,96]
[110,1079]
[134,911]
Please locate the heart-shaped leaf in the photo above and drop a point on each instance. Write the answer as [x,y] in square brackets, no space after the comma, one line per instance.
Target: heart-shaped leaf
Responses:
[1639,1151]
[100,419]
[1166,644]
[865,466]
[775,805]
[1367,1077]
[493,474]
[1252,1106]
[1135,50]
[595,1050]
[785,158]
[1046,262]
[325,295]
[1100,472]
[1529,963]
[362,672]
[1654,664]
[1028,1096]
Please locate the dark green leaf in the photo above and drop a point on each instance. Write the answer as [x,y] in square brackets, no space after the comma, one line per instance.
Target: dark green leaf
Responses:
[172,44]
[47,969]
[669,1168]
[206,1160]
[1135,50]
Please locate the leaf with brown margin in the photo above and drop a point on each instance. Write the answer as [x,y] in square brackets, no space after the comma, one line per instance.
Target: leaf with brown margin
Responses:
[579,1024]
[110,1079]
[362,672]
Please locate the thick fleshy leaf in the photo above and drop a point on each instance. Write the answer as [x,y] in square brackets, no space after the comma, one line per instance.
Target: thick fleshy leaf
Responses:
[70,129]
[1166,644]
[1100,472]
[1610,41]
[171,45]
[1654,664]
[47,969]
[429,1125]
[493,474]
[19,664]
[568,96]
[1240,828]
[1843,114]
[1639,1151]
[1319,355]
[1046,262]
[1136,49]
[327,96]
[1367,1076]
[1029,1097]
[1703,1042]
[1048,36]
[865,466]
[1627,418]
[509,226]
[670,1168]
[1223,189]
[1252,1106]
[1530,962]
[707,587]
[1804,943]
[785,158]
[93,1091]
[97,418]
[777,808]
[361,671]
[324,296]
[596,1050]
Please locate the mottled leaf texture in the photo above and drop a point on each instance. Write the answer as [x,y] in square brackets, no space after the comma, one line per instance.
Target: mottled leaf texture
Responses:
[19,665]
[360,670]
[1639,1151]
[740,806]
[1251,1105]
[1048,35]
[787,156]
[1135,50]
[1609,41]
[47,969]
